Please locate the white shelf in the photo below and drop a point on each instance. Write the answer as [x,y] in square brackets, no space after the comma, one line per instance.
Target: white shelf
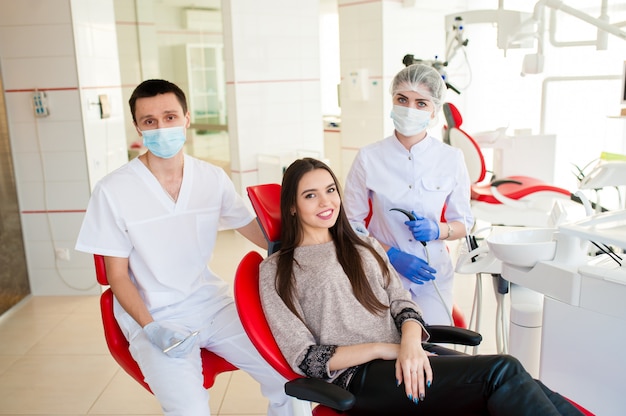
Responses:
[201,65]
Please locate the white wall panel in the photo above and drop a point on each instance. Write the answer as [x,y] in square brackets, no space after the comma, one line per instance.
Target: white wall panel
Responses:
[34,12]
[37,41]
[39,72]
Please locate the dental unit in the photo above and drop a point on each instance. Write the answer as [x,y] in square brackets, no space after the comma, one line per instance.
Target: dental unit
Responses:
[568,296]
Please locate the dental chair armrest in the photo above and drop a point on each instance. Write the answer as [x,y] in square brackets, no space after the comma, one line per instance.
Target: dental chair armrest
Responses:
[319,391]
[453,335]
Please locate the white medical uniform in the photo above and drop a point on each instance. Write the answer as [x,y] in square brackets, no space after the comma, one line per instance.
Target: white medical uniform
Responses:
[426,179]
[168,245]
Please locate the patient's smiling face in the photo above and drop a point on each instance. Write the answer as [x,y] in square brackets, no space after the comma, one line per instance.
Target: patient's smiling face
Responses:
[317,206]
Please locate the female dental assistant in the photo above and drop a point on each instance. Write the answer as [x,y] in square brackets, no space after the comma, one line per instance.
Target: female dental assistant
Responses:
[418,173]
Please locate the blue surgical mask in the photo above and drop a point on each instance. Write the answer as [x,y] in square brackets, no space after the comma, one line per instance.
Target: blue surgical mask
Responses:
[409,121]
[164,143]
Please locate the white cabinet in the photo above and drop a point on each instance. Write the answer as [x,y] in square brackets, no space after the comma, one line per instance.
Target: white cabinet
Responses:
[201,75]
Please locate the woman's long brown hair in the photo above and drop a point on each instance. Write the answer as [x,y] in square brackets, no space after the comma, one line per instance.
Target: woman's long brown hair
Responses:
[345,238]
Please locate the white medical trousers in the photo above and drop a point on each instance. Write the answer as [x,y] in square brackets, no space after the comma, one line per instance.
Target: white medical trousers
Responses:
[178,382]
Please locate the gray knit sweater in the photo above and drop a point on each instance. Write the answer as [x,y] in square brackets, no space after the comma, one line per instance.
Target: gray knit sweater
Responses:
[332,315]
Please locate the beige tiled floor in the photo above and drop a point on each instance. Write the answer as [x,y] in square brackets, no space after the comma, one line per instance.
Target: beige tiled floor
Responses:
[54,361]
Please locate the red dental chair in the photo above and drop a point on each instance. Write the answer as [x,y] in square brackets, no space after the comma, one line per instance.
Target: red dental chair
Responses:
[212,364]
[513,201]
[332,399]
[265,201]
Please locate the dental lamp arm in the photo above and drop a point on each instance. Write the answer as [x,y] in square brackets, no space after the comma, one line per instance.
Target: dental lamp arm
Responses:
[455,40]
[600,24]
[538,19]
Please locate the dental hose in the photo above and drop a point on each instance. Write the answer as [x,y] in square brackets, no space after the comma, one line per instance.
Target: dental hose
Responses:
[443,302]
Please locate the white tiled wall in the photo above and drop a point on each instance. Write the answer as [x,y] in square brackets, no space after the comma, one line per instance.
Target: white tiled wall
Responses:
[361,32]
[68,50]
[272,81]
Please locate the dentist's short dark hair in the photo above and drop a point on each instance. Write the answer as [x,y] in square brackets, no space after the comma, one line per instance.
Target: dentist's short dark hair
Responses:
[154,87]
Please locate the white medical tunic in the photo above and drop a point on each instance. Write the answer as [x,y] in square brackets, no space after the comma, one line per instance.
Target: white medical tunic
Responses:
[168,244]
[429,179]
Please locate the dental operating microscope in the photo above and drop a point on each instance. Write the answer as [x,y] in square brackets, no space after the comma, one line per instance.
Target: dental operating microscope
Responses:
[455,42]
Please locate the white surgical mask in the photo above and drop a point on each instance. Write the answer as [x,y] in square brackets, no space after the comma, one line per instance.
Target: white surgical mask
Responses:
[409,121]
[164,143]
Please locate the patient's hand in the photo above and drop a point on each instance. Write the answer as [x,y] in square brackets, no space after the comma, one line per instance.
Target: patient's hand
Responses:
[412,365]
[413,369]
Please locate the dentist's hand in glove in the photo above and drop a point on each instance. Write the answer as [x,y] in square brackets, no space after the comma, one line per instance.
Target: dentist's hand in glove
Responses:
[423,229]
[410,266]
[173,340]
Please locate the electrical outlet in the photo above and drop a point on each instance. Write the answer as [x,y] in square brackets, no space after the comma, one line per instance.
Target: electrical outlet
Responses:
[62,254]
[40,104]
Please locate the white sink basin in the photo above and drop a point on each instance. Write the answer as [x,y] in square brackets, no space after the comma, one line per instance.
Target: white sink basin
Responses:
[524,247]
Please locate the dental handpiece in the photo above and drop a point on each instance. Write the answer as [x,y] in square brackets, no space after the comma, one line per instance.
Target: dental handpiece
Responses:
[411,217]
[180,341]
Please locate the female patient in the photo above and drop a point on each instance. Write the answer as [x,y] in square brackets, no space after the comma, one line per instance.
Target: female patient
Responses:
[339,312]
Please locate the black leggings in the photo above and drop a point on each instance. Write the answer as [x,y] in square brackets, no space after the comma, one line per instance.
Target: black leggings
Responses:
[462,385]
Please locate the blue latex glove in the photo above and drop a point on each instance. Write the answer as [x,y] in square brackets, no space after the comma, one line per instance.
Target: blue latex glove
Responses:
[423,229]
[164,336]
[410,266]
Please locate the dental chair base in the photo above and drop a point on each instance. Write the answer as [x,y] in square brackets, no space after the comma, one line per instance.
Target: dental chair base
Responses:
[524,341]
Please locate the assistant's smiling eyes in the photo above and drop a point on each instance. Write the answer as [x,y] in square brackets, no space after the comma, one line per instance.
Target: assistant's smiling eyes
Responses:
[404,100]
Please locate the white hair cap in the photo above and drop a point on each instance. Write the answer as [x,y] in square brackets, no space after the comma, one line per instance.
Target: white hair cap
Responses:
[422,79]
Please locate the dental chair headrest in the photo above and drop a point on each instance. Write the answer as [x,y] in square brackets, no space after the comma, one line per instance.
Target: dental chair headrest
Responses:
[453,116]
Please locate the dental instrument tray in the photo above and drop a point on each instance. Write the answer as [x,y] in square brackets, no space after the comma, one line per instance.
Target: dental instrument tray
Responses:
[608,228]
